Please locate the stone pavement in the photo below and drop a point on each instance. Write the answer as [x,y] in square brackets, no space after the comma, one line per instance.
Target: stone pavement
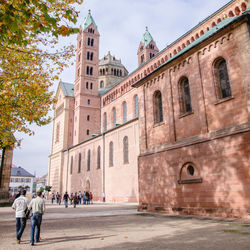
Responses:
[119,226]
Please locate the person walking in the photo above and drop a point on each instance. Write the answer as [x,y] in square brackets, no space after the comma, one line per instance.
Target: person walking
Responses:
[37,206]
[52,198]
[66,199]
[75,199]
[80,197]
[20,205]
[91,197]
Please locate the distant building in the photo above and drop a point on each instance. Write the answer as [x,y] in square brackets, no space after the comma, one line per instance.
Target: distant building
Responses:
[39,183]
[20,178]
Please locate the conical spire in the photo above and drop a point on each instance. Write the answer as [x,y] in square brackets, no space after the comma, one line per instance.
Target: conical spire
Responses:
[147,38]
[88,21]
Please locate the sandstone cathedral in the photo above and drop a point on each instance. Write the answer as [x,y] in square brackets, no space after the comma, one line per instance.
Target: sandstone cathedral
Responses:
[173,135]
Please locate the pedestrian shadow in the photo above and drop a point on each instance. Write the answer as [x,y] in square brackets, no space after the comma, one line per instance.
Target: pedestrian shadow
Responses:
[49,241]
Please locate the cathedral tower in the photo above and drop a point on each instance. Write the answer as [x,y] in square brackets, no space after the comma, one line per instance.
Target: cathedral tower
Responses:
[87,100]
[147,48]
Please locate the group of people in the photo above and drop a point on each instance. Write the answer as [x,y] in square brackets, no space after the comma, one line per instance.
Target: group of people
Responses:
[22,209]
[74,198]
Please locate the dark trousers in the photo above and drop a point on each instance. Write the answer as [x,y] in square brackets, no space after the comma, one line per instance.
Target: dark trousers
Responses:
[20,226]
[36,221]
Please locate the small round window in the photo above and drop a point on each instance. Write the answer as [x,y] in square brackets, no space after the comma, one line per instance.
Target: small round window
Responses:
[190,170]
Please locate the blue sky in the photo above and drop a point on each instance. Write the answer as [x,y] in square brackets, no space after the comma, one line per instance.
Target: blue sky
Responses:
[121,24]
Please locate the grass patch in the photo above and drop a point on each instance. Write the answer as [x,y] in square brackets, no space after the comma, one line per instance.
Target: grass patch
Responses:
[245,225]
[144,214]
[235,231]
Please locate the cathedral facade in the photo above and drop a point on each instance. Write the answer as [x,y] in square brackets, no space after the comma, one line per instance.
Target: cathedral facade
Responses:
[173,134]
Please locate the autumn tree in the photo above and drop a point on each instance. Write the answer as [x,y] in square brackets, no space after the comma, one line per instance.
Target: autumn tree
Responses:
[30,60]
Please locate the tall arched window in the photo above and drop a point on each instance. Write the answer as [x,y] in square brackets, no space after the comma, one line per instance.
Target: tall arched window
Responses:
[124,109]
[88,41]
[99,157]
[91,85]
[92,42]
[105,121]
[88,161]
[222,82]
[91,71]
[136,113]
[184,95]
[101,84]
[158,114]
[114,117]
[125,149]
[87,70]
[91,56]
[111,154]
[71,165]
[79,162]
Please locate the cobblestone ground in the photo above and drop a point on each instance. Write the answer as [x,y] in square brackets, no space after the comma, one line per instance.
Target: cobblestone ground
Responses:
[120,226]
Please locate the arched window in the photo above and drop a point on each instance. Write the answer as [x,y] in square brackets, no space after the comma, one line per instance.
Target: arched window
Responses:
[124,108]
[111,154]
[99,157]
[87,55]
[87,85]
[100,72]
[71,165]
[105,121]
[87,70]
[125,150]
[91,85]
[184,96]
[88,163]
[115,72]
[87,131]
[91,71]
[158,114]
[101,84]
[114,117]
[136,113]
[88,41]
[92,42]
[79,163]
[120,73]
[222,83]
[88,117]
[91,56]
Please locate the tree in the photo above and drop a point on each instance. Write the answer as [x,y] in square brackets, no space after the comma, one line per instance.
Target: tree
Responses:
[30,60]
[48,188]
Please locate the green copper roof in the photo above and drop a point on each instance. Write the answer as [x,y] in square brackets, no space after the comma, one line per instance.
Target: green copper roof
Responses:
[147,38]
[88,21]
[68,88]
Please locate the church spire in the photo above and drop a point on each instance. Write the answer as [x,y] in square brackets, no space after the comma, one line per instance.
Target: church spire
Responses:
[147,48]
[88,20]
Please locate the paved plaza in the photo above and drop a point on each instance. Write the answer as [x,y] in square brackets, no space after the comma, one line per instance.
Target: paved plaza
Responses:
[120,226]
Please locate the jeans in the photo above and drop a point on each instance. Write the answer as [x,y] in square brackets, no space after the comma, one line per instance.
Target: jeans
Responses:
[20,226]
[36,221]
[66,203]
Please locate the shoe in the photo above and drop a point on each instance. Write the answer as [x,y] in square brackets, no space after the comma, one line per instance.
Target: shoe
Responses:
[32,244]
[37,241]
[18,241]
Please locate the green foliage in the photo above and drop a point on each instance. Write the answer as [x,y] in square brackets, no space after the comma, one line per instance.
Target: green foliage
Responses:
[48,188]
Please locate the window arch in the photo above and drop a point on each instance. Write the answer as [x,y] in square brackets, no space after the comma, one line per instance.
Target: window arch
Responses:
[136,113]
[222,83]
[124,109]
[91,71]
[158,114]
[105,121]
[92,43]
[111,154]
[91,56]
[79,162]
[91,85]
[125,150]
[184,96]
[101,84]
[114,117]
[88,161]
[71,165]
[189,173]
[87,85]
[88,41]
[87,132]
[99,157]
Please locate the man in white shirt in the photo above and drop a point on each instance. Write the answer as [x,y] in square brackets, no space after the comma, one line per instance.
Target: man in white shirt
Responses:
[37,206]
[20,205]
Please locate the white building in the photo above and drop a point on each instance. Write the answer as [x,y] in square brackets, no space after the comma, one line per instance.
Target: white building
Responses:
[20,178]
